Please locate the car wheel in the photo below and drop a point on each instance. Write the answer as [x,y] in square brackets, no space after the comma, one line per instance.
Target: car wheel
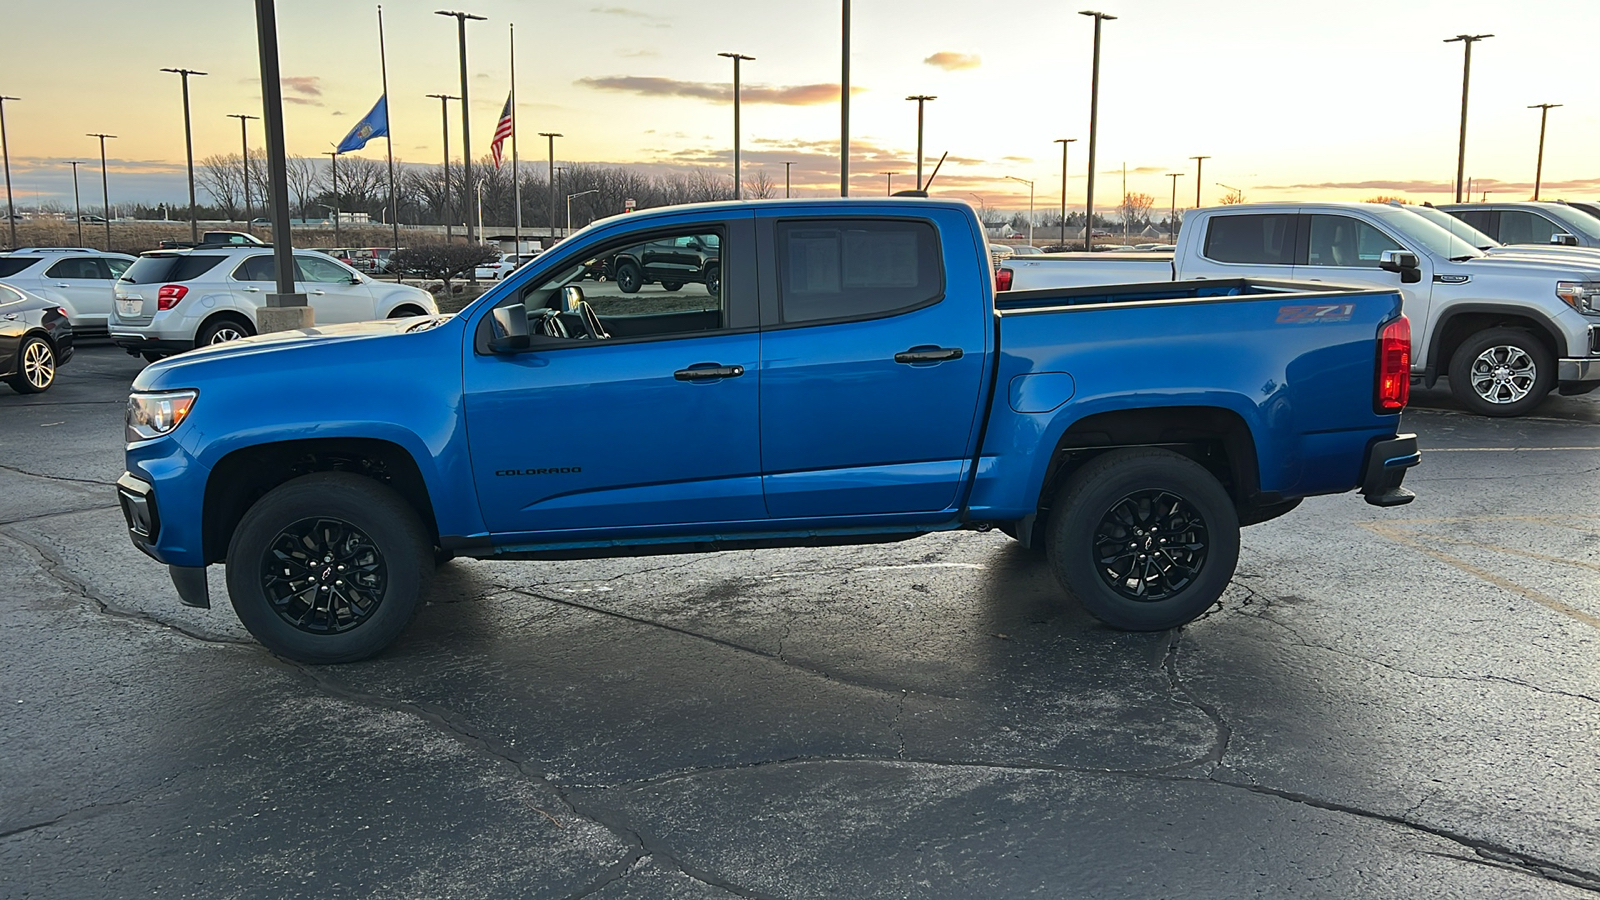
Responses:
[671,285]
[328,568]
[221,331]
[405,312]
[714,281]
[1145,539]
[629,278]
[36,366]
[1502,372]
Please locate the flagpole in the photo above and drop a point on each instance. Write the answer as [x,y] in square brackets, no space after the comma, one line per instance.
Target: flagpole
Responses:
[516,182]
[388,138]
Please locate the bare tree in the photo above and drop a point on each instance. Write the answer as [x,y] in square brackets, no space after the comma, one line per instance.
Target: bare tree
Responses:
[1136,208]
[1232,198]
[222,178]
[1387,198]
[303,181]
[760,186]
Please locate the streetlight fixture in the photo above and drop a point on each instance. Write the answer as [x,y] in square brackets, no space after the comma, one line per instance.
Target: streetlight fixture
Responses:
[105,190]
[888,184]
[188,146]
[5,151]
[1094,121]
[444,118]
[921,99]
[552,135]
[1538,170]
[1239,191]
[738,185]
[466,125]
[77,206]
[1172,217]
[1064,142]
[1467,40]
[1199,165]
[569,205]
[1030,205]
[786,178]
[244,152]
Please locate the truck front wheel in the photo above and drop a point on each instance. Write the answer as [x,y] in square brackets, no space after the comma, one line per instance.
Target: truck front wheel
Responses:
[1145,539]
[328,568]
[1502,372]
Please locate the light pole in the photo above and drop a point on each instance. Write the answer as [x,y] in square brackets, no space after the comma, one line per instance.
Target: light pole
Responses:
[921,99]
[888,184]
[1172,217]
[1467,40]
[1538,170]
[244,152]
[5,151]
[844,104]
[334,155]
[1239,191]
[1199,164]
[77,207]
[1030,205]
[188,146]
[1094,121]
[105,190]
[444,118]
[1064,142]
[569,205]
[552,135]
[466,124]
[738,186]
[786,178]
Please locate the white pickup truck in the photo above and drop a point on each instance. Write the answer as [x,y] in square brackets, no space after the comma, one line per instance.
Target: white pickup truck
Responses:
[1506,328]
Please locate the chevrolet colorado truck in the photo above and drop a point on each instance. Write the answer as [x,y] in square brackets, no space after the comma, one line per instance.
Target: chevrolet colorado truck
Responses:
[851,379]
[1506,327]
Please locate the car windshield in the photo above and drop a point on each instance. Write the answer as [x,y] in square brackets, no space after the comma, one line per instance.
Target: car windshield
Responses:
[1455,226]
[1581,223]
[1434,237]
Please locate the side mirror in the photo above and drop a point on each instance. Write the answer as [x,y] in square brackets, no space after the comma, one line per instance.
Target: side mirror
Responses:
[356,279]
[511,327]
[1564,240]
[1404,262]
[571,296]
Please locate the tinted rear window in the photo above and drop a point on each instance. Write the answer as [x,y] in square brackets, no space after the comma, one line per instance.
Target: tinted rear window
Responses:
[169,268]
[1259,239]
[12,265]
[832,269]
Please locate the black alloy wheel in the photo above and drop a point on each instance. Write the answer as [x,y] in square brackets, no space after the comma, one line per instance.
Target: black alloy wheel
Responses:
[714,281]
[1150,545]
[629,278]
[323,575]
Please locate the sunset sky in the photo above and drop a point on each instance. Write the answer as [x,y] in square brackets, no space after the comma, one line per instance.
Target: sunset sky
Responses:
[1291,100]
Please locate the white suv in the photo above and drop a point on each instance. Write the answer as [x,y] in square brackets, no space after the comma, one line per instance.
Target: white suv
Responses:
[77,279]
[169,301]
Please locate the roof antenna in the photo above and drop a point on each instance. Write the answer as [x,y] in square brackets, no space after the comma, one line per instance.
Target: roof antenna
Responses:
[924,191]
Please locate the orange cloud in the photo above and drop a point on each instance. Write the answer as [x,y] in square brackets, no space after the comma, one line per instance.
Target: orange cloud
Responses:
[950,61]
[654,86]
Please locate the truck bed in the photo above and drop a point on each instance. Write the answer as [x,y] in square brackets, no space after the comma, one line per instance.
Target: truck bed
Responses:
[1075,269]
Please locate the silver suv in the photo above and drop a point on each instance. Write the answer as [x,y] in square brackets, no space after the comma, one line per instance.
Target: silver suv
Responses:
[77,279]
[169,301]
[1530,222]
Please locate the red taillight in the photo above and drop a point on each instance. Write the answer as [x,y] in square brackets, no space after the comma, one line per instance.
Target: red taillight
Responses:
[1394,366]
[1002,279]
[169,295]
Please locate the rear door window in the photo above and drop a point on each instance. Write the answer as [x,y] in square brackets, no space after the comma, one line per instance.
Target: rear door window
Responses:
[831,269]
[257,268]
[1262,239]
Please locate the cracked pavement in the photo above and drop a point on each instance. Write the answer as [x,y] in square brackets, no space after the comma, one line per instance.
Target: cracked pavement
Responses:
[1392,703]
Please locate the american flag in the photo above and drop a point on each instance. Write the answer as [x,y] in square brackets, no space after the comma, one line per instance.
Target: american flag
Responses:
[501,132]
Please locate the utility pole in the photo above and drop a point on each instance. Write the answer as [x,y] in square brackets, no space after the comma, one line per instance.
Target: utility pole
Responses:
[921,99]
[77,206]
[286,309]
[1538,170]
[444,117]
[5,151]
[1199,165]
[1064,142]
[738,185]
[188,146]
[334,155]
[1467,40]
[244,152]
[552,135]
[466,124]
[888,185]
[1094,121]
[1172,217]
[786,178]
[844,106]
[105,190]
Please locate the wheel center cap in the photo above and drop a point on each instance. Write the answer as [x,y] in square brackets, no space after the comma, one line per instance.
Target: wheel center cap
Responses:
[326,574]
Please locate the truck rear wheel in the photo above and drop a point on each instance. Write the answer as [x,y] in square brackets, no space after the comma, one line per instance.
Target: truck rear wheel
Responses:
[1145,539]
[1502,372]
[629,277]
[328,568]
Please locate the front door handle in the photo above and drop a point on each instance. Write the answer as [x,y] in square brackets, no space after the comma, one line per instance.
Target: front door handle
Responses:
[927,355]
[252,290]
[708,372]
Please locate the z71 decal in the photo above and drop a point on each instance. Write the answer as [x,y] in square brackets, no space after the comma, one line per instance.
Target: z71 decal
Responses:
[1313,315]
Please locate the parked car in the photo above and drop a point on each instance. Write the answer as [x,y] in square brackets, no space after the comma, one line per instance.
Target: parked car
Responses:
[1025,250]
[500,267]
[92,220]
[1583,206]
[217,239]
[1530,222]
[865,386]
[1507,327]
[174,300]
[35,340]
[77,279]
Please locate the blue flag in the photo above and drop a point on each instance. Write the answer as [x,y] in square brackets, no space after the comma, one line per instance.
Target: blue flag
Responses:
[374,124]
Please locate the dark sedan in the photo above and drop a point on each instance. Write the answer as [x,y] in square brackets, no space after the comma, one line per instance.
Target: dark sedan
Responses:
[35,339]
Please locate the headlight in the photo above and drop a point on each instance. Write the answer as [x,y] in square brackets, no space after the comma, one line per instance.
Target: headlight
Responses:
[1580,295]
[155,414]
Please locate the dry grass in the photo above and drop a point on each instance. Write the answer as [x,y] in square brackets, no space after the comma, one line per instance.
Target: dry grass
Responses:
[137,237]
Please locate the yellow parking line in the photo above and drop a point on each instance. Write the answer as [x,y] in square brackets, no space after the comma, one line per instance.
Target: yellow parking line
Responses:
[1513,551]
[1528,593]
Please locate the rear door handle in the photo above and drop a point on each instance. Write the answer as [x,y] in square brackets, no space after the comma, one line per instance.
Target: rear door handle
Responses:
[252,290]
[708,372]
[927,354]
[316,293]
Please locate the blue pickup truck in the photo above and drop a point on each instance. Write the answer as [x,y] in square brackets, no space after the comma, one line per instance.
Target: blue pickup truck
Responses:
[846,376]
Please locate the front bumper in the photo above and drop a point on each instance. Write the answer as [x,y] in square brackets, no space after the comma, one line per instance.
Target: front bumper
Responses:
[1385,467]
[136,343]
[137,498]
[1578,376]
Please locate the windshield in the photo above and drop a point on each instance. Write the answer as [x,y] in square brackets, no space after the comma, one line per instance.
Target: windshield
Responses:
[1451,242]
[1455,226]
[1581,223]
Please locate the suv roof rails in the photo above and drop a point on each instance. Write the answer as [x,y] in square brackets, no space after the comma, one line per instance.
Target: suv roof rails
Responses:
[54,250]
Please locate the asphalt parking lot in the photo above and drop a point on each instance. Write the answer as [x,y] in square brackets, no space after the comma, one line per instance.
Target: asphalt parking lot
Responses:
[1388,703]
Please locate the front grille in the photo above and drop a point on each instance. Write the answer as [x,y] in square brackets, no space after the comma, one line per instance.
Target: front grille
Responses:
[1594,338]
